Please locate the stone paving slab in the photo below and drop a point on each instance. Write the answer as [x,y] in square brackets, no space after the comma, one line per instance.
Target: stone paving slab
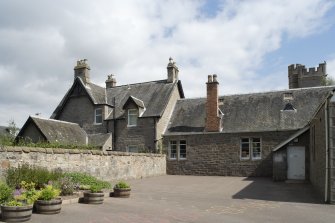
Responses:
[196,199]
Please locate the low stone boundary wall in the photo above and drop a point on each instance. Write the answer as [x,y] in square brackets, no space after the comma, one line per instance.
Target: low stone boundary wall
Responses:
[108,166]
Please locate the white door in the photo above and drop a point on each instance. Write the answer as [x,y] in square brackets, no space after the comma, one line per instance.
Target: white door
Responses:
[296,163]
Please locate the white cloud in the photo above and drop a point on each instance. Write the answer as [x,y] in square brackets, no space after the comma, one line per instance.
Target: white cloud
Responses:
[40,42]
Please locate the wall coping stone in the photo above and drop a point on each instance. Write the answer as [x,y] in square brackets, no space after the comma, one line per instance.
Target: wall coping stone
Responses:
[20,149]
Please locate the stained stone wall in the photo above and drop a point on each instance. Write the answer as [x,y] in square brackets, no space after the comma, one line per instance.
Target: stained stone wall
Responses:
[219,154]
[108,166]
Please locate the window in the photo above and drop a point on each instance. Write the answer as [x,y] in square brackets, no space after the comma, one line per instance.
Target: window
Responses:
[251,147]
[177,150]
[132,117]
[256,148]
[173,150]
[98,116]
[245,151]
[132,149]
[182,149]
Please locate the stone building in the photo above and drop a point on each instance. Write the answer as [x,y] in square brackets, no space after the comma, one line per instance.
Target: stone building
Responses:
[126,118]
[300,77]
[287,134]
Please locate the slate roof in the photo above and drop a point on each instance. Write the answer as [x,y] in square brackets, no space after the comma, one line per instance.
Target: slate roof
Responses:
[98,139]
[154,95]
[57,131]
[96,93]
[137,101]
[254,112]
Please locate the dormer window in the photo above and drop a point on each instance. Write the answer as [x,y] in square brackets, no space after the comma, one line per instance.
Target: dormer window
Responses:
[98,116]
[289,107]
[132,117]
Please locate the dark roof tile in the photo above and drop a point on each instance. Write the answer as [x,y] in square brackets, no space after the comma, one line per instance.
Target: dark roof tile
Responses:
[254,112]
[59,131]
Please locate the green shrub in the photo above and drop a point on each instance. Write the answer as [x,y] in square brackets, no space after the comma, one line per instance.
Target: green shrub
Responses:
[27,195]
[88,180]
[121,185]
[95,188]
[42,144]
[67,186]
[48,193]
[29,173]
[5,193]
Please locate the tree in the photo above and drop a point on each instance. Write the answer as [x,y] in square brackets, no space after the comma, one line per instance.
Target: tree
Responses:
[12,129]
[327,81]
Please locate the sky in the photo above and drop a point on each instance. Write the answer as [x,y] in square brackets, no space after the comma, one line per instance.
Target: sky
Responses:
[248,44]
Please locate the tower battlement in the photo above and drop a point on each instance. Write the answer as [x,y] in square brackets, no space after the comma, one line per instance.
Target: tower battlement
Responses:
[300,76]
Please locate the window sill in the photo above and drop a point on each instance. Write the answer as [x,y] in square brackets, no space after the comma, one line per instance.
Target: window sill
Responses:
[130,126]
[97,123]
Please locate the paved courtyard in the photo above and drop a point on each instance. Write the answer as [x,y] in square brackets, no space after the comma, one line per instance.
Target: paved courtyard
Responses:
[204,199]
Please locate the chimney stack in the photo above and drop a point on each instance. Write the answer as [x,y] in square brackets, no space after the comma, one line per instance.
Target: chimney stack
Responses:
[172,70]
[213,119]
[111,81]
[82,70]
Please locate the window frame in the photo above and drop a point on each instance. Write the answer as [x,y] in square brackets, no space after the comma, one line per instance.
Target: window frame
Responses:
[251,148]
[177,144]
[134,115]
[97,115]
[179,149]
[241,147]
[170,149]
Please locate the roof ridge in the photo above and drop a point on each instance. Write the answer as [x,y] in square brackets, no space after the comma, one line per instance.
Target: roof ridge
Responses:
[276,91]
[147,82]
[54,120]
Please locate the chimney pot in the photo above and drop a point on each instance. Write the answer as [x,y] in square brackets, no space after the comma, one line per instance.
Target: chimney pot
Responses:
[215,78]
[111,81]
[210,78]
[172,70]
[82,70]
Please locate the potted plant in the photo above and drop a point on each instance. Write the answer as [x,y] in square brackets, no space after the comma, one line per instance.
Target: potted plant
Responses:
[122,189]
[94,195]
[48,201]
[19,208]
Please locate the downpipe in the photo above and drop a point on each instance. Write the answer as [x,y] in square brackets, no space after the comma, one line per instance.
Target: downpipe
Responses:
[327,150]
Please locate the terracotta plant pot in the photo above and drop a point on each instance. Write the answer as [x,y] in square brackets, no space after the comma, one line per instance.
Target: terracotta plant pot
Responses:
[93,198]
[48,207]
[121,192]
[16,213]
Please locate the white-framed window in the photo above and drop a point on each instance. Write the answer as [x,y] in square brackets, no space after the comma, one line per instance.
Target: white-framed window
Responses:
[251,148]
[132,117]
[173,150]
[132,149]
[98,116]
[182,149]
[177,150]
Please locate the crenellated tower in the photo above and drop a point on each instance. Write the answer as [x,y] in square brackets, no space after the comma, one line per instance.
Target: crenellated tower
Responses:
[300,77]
